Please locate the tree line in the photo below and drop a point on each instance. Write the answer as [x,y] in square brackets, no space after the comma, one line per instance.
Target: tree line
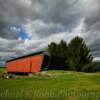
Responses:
[74,56]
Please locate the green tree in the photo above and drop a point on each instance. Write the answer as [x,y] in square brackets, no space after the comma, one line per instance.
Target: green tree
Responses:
[79,57]
[52,49]
[58,53]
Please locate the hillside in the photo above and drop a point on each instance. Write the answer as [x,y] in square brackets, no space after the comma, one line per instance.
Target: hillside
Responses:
[52,85]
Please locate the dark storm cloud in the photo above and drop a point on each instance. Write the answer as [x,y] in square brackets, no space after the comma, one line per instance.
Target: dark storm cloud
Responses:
[59,12]
[92,21]
[92,26]
[44,19]
[14,12]
[5,31]
[95,47]
[64,12]
[92,17]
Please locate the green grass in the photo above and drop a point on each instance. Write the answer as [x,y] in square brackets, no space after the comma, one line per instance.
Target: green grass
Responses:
[2,69]
[52,85]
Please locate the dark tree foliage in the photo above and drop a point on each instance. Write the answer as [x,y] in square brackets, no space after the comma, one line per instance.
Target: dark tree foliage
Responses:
[79,57]
[74,56]
[58,55]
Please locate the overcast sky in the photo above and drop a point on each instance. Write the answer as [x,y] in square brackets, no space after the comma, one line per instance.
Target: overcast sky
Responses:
[26,25]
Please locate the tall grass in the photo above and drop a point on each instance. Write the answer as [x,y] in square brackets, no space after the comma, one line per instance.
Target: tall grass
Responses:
[52,85]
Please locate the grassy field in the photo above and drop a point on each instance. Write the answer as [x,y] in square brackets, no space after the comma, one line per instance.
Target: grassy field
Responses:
[52,85]
[2,69]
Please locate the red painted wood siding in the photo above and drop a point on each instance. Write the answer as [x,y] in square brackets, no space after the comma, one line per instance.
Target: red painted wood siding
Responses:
[36,62]
[26,65]
[23,65]
[11,66]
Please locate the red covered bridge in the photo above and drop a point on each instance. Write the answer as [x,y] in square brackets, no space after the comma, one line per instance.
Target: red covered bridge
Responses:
[30,63]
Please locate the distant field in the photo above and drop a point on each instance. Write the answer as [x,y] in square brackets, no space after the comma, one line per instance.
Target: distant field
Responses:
[52,85]
[2,69]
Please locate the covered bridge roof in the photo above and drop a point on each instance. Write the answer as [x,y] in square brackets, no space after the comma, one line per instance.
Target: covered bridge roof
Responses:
[26,55]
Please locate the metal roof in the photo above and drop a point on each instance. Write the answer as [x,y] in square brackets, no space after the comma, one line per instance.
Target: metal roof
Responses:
[26,55]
